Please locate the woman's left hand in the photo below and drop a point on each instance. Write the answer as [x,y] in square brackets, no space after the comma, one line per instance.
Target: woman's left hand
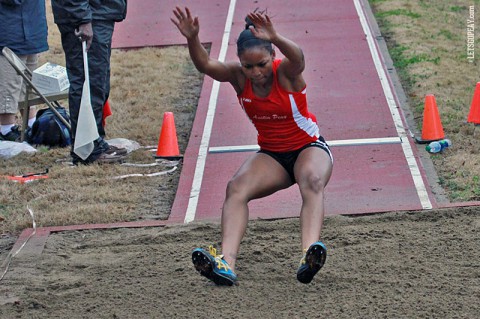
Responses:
[263,26]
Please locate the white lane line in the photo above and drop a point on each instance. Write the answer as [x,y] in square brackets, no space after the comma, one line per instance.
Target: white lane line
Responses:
[353,142]
[407,150]
[207,130]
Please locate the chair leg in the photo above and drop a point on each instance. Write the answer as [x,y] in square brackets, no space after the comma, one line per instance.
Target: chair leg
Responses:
[25,115]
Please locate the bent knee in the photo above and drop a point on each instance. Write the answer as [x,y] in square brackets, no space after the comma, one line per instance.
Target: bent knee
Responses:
[235,187]
[313,183]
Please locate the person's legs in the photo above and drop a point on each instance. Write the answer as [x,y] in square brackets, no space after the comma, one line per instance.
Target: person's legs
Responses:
[10,87]
[31,61]
[7,119]
[74,64]
[259,176]
[312,169]
[8,129]
[99,64]
[10,84]
[99,71]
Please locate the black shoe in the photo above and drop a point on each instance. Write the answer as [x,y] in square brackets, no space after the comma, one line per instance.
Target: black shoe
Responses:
[116,150]
[102,145]
[102,158]
[213,267]
[312,261]
[13,136]
[109,158]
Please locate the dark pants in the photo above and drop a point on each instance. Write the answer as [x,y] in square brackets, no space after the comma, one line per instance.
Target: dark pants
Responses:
[99,71]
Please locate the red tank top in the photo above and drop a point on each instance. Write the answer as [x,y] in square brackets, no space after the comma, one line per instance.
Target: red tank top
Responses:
[282,119]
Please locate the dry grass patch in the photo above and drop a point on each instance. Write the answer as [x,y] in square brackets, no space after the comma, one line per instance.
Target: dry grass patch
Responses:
[428,42]
[145,83]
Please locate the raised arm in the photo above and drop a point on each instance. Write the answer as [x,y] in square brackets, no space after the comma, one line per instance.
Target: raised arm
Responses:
[294,64]
[189,27]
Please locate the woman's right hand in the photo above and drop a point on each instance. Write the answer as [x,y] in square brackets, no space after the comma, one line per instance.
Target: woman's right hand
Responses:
[187,25]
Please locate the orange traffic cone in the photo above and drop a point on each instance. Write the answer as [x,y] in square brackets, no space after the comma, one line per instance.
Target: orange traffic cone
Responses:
[168,143]
[107,111]
[432,129]
[474,115]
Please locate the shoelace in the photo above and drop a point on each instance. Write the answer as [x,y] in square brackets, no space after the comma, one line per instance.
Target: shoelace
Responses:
[304,258]
[218,258]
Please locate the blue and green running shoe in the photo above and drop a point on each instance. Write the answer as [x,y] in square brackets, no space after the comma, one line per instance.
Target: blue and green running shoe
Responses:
[312,261]
[213,266]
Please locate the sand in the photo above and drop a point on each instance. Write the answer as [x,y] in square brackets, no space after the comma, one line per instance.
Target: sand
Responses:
[393,265]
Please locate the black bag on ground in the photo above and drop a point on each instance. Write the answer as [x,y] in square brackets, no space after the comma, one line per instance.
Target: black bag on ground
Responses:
[49,130]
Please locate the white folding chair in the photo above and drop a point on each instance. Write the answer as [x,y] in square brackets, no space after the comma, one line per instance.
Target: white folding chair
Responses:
[33,96]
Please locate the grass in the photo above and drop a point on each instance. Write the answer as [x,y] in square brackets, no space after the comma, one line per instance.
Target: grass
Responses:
[398,12]
[402,60]
[427,42]
[145,83]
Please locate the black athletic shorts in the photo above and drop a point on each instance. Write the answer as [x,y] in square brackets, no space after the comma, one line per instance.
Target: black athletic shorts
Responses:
[288,159]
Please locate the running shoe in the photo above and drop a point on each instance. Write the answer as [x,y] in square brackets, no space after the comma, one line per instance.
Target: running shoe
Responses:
[114,150]
[102,158]
[13,135]
[213,266]
[312,261]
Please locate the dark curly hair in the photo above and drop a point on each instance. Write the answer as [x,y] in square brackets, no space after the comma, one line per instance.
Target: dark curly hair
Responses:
[247,40]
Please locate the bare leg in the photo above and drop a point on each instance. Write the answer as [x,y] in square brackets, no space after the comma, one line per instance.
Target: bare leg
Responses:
[7,118]
[258,177]
[313,169]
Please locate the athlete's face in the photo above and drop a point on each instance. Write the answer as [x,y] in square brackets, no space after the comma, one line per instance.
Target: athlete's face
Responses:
[257,65]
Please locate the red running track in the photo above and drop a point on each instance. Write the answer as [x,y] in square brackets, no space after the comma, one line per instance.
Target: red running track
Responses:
[348,90]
